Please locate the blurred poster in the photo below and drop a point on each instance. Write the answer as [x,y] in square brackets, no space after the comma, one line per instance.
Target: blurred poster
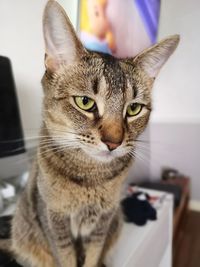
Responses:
[122,28]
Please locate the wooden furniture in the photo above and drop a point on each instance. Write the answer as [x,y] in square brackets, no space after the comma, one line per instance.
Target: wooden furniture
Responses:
[180,213]
[181,210]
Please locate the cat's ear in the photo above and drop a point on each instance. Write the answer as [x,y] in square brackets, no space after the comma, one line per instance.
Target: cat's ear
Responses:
[62,46]
[152,59]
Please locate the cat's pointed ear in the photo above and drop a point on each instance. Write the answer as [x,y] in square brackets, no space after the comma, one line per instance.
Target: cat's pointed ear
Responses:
[152,59]
[62,46]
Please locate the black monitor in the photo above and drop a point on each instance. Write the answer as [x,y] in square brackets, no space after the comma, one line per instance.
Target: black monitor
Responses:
[12,144]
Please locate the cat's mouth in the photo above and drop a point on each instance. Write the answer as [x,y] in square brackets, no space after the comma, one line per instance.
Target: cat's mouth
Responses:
[105,155]
[100,155]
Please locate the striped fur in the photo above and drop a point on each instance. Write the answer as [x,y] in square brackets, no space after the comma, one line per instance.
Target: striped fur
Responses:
[69,213]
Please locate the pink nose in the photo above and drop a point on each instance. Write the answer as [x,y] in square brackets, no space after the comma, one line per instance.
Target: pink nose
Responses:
[111,146]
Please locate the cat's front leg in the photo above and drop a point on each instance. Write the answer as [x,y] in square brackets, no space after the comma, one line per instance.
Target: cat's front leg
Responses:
[94,243]
[61,240]
[93,249]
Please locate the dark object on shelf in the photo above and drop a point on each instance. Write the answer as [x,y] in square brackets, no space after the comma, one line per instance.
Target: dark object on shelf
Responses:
[5,227]
[165,187]
[169,173]
[7,261]
[138,211]
[11,134]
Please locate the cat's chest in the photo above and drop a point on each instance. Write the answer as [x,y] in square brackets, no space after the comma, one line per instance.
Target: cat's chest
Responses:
[83,205]
[83,221]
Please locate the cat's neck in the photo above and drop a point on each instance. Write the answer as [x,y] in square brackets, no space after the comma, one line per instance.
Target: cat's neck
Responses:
[77,166]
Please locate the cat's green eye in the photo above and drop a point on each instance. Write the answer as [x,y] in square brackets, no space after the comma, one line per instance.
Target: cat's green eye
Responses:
[85,103]
[134,109]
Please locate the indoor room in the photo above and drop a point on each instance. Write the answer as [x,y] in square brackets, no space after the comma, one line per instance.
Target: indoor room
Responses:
[99,133]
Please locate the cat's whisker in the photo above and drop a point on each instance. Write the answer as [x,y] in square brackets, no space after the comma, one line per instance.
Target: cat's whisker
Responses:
[27,139]
[141,157]
[142,141]
[48,149]
[143,147]
[145,156]
[15,150]
[57,142]
[59,130]
[54,139]
[52,130]
[27,158]
[140,146]
[17,140]
[55,149]
[24,147]
[142,161]
[50,146]
[41,144]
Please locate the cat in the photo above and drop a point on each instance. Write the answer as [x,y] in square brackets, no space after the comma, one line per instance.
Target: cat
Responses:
[95,106]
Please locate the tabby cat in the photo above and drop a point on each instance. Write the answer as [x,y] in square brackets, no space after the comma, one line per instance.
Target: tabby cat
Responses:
[95,106]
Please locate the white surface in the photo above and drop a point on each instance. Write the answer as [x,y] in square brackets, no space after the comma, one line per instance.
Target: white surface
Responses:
[194,205]
[8,191]
[165,260]
[149,245]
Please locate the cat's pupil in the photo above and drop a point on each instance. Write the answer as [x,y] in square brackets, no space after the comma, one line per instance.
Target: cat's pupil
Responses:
[85,100]
[133,106]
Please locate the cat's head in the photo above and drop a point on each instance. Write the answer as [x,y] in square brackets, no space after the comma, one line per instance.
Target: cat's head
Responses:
[95,102]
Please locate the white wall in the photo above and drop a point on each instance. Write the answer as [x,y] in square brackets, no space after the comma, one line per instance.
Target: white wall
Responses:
[176,145]
[175,122]
[176,92]
[21,40]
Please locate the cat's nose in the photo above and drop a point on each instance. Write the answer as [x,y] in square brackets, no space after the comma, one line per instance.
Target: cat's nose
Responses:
[111,146]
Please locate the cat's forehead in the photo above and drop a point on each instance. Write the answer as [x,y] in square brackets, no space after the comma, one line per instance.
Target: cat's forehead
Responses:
[108,76]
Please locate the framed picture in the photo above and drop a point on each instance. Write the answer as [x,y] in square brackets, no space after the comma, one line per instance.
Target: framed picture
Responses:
[122,28]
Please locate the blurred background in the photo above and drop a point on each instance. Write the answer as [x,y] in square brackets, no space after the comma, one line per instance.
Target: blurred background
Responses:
[171,141]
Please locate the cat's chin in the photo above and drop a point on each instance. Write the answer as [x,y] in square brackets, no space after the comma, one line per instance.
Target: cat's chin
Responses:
[103,156]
